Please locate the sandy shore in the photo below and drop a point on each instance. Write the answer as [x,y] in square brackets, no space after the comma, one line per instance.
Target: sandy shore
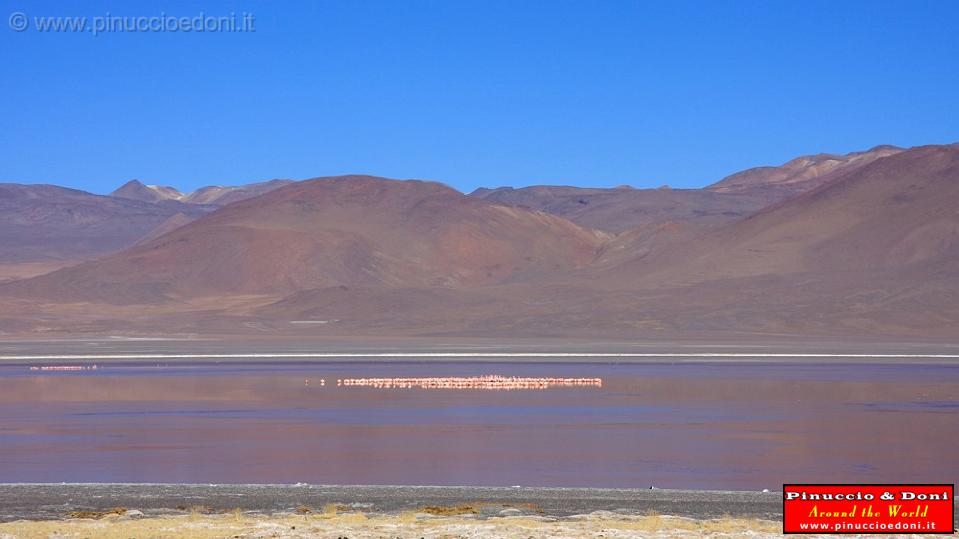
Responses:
[355,525]
[330,523]
[205,512]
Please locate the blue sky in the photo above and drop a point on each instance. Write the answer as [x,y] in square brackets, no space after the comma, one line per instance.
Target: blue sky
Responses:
[472,93]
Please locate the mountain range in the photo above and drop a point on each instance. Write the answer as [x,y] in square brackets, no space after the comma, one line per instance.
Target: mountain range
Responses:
[862,243]
[217,195]
[44,227]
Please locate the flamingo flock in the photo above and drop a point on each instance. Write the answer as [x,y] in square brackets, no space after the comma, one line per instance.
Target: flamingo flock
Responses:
[64,368]
[492,381]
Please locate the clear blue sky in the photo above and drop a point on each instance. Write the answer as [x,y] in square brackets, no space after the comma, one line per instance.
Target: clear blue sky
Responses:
[472,93]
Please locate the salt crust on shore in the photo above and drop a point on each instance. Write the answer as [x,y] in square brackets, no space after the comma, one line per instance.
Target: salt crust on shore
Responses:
[240,525]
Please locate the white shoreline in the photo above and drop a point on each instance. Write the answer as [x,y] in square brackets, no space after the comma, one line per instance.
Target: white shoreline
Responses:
[505,355]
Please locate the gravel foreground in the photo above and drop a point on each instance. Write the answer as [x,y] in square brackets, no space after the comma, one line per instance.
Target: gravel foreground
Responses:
[55,501]
[356,525]
[112,511]
[330,523]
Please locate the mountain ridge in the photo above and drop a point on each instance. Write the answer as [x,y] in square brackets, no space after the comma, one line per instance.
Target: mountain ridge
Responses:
[350,230]
[216,195]
[872,250]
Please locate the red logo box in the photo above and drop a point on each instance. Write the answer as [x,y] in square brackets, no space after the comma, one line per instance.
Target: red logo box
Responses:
[869,508]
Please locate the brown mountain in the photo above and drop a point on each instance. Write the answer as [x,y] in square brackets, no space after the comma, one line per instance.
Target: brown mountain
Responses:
[45,223]
[341,231]
[731,199]
[894,212]
[222,195]
[45,227]
[623,208]
[798,175]
[215,195]
[875,250]
[136,190]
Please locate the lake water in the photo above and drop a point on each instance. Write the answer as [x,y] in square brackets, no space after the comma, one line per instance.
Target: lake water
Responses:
[689,425]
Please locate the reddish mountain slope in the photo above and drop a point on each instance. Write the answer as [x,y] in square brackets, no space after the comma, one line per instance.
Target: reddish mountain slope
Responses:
[352,230]
[876,250]
[798,175]
[894,212]
[873,251]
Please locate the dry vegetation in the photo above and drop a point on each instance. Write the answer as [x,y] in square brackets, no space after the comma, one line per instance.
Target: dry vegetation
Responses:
[449,511]
[96,514]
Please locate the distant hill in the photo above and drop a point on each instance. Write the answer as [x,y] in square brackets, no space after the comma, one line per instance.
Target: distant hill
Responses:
[223,195]
[891,213]
[214,195]
[874,250]
[622,208]
[46,222]
[136,190]
[731,199]
[798,175]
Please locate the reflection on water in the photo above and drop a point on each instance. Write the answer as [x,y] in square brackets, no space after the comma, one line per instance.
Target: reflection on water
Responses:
[736,426]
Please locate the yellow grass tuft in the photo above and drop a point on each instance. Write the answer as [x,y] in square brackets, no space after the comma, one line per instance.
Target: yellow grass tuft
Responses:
[406,517]
[97,514]
[448,511]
